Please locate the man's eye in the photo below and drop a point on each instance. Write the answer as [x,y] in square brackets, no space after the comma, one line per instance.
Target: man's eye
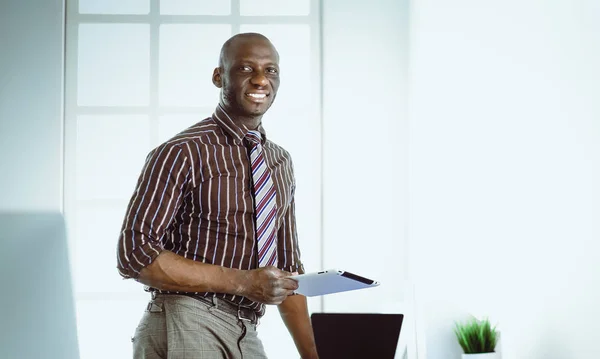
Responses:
[272,70]
[245,68]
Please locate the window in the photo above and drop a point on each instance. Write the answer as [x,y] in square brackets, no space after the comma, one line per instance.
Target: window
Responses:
[138,72]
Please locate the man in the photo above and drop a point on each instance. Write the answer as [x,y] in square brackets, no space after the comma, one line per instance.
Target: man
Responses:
[210,228]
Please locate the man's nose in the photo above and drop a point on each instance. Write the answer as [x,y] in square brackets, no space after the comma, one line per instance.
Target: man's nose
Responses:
[259,79]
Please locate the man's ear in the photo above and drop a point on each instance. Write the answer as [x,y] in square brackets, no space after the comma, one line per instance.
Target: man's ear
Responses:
[216,78]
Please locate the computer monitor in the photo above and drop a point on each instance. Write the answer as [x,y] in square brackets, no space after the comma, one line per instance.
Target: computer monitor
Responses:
[355,335]
[36,298]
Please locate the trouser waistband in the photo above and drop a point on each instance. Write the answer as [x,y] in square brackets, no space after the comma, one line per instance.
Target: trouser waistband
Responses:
[241,312]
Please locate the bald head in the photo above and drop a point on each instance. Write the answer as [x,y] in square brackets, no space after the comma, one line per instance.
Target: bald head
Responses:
[231,48]
[248,76]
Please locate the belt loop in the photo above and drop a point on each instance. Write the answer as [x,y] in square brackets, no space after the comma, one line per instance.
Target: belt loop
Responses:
[241,318]
[155,306]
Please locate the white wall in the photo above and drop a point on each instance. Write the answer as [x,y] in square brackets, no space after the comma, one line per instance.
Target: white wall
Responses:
[31,74]
[504,170]
[365,148]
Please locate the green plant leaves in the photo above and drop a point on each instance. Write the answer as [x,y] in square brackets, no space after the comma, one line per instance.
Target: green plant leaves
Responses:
[476,336]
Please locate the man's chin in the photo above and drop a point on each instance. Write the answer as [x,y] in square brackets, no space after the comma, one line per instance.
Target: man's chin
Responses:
[257,110]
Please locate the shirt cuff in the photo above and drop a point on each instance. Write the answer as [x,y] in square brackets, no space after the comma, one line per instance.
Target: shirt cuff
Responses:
[141,257]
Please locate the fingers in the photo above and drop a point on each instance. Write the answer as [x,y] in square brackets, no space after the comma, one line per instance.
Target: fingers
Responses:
[280,298]
[279,272]
[289,284]
[284,274]
[276,285]
[283,290]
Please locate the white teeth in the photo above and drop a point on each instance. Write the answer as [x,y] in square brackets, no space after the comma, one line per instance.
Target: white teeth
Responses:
[257,95]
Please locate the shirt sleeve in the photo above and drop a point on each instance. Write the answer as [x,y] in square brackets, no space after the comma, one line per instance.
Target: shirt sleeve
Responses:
[155,201]
[287,236]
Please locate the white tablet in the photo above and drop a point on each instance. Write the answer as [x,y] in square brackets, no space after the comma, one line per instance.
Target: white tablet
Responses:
[331,281]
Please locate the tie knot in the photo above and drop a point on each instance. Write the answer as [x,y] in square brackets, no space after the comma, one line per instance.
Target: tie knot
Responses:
[254,137]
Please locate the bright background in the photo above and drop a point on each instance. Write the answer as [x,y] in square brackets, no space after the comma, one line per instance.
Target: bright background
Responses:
[447,147]
[137,73]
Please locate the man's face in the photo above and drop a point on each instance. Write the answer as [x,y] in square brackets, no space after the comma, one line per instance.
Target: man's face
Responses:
[250,77]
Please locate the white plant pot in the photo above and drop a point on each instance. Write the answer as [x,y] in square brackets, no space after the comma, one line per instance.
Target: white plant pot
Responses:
[494,355]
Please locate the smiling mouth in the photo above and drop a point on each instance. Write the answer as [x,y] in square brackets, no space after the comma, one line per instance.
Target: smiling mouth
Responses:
[257,97]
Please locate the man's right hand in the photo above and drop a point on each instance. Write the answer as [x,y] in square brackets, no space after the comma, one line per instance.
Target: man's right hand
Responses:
[268,285]
[172,272]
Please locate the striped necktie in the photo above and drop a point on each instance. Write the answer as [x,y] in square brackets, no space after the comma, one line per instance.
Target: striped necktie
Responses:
[265,206]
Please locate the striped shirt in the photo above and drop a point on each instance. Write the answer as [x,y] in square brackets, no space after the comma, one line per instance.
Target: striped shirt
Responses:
[194,198]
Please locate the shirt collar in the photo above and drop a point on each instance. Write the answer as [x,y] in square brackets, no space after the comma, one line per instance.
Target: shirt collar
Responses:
[237,132]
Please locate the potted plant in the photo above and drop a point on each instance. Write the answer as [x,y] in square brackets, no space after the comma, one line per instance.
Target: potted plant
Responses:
[477,338]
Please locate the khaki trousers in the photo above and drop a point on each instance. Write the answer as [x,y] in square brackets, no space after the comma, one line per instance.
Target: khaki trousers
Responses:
[181,327]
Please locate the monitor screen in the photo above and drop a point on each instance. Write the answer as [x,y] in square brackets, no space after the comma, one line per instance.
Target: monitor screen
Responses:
[355,335]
